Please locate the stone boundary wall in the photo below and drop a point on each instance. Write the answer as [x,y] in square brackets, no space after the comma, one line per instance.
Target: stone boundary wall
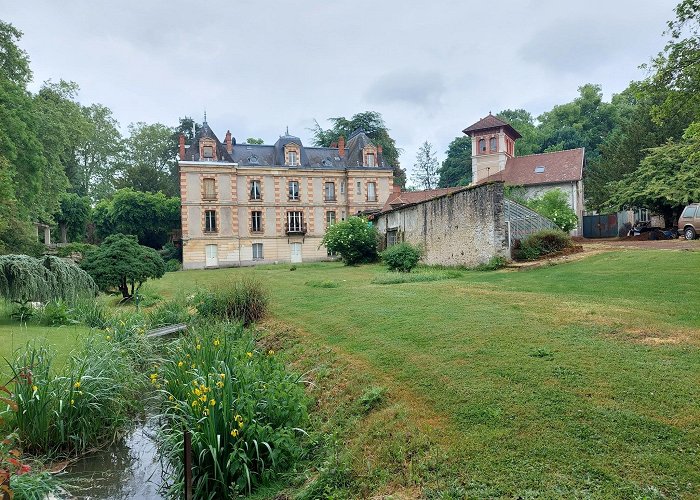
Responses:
[464,228]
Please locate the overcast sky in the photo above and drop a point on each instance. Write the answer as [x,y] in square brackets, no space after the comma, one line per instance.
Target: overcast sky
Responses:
[257,66]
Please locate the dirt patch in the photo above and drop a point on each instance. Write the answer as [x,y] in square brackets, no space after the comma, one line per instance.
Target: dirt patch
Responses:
[635,242]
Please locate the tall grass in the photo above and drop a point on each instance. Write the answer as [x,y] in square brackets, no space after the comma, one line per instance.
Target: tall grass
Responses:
[244,300]
[243,409]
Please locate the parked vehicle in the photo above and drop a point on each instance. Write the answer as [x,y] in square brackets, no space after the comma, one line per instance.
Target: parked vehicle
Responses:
[689,221]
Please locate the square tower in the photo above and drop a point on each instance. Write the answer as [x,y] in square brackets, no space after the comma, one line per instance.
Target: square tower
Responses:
[493,142]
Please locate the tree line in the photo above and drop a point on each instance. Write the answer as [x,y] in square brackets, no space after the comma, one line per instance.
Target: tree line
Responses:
[67,165]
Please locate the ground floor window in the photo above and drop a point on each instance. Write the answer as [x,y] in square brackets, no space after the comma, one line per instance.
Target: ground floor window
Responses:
[392,237]
[295,222]
[257,251]
[330,218]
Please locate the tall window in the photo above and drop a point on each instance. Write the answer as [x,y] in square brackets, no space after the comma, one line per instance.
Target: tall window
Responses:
[294,190]
[391,237]
[492,143]
[359,188]
[208,152]
[256,221]
[482,145]
[371,191]
[295,222]
[342,187]
[330,191]
[292,158]
[209,189]
[257,251]
[210,221]
[330,218]
[370,159]
[255,190]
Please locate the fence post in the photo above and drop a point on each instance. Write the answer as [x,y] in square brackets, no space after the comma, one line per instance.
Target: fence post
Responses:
[188,463]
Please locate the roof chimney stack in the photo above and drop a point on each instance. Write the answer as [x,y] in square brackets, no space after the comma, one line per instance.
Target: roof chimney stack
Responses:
[229,144]
[182,146]
[341,146]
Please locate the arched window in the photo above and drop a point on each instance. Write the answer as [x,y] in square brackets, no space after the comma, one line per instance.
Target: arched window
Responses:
[492,144]
[482,145]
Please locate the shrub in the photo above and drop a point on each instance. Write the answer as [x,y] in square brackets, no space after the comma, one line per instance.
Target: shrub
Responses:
[355,240]
[120,262]
[401,257]
[55,313]
[172,265]
[170,252]
[245,301]
[542,243]
[555,206]
[168,313]
[90,313]
[244,412]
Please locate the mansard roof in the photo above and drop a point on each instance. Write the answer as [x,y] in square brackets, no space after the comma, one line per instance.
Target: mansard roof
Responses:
[257,155]
[491,122]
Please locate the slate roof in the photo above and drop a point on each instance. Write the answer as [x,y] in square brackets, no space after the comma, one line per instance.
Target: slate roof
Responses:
[491,122]
[255,155]
[559,167]
[398,199]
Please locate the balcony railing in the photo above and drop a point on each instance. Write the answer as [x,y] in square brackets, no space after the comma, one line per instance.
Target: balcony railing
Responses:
[294,228]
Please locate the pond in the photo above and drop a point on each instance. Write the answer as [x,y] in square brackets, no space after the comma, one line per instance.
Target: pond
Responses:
[130,468]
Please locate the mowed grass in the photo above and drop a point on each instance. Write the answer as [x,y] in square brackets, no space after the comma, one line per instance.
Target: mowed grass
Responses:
[576,380]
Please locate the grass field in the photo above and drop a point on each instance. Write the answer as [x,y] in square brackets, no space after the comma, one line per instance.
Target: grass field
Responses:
[572,380]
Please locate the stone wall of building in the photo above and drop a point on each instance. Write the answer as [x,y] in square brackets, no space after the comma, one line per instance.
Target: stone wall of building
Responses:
[465,228]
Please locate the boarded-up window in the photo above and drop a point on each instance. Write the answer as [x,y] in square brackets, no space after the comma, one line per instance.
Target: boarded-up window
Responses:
[209,189]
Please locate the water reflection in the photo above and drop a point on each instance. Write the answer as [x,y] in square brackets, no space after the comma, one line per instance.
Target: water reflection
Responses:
[128,469]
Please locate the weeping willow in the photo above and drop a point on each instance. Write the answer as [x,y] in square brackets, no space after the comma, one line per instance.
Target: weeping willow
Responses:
[24,279]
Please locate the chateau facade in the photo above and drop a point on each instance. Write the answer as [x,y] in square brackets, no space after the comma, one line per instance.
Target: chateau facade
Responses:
[244,204]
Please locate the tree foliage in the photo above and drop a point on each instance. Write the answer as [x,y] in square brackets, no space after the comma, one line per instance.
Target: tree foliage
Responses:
[120,263]
[24,279]
[402,257]
[425,170]
[554,205]
[148,162]
[667,179]
[373,125]
[74,216]
[354,239]
[456,170]
[151,217]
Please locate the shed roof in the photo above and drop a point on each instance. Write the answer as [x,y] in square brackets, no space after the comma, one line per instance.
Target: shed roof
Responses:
[543,168]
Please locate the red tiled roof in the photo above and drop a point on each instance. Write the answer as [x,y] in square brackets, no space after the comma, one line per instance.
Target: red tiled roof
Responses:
[560,166]
[491,122]
[409,197]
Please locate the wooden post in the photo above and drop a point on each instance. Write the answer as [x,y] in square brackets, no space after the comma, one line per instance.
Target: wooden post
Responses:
[188,464]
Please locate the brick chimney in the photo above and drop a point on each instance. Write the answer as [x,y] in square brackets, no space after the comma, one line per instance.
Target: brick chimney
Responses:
[396,189]
[182,146]
[229,144]
[341,146]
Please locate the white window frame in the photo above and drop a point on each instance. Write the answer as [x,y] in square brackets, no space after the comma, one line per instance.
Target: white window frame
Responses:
[210,221]
[258,251]
[292,158]
[256,215]
[326,186]
[293,196]
[370,159]
[255,192]
[295,221]
[371,191]
[330,218]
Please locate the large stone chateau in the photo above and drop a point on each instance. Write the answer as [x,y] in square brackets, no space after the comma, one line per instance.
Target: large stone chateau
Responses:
[245,203]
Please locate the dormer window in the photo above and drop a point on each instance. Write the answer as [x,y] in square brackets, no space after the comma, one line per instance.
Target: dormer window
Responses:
[482,145]
[292,158]
[208,152]
[492,144]
[370,159]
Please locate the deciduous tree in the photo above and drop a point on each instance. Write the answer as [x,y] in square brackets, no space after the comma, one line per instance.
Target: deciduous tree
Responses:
[425,170]
[456,170]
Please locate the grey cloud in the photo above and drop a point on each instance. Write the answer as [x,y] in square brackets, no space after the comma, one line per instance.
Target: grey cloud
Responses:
[415,87]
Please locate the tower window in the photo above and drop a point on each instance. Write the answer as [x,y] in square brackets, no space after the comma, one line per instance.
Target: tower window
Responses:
[482,145]
[492,144]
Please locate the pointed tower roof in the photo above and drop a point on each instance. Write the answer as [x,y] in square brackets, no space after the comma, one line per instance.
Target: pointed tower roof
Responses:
[491,122]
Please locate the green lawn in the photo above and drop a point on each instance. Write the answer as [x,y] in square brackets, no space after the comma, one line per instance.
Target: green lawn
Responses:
[571,380]
[576,380]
